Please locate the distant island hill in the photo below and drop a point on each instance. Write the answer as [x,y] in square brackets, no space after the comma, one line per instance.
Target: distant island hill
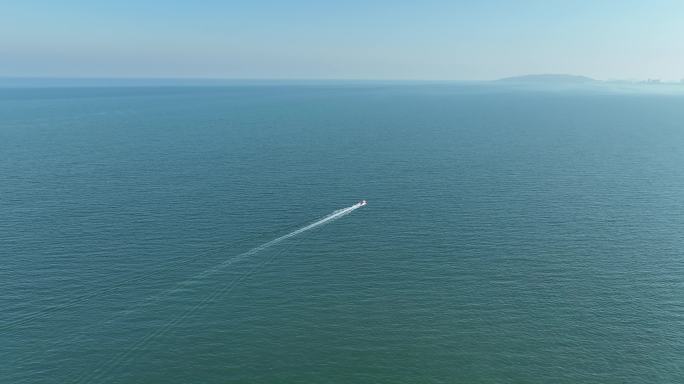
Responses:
[574,79]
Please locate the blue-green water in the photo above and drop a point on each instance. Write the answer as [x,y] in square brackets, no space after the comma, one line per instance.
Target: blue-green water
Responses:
[511,235]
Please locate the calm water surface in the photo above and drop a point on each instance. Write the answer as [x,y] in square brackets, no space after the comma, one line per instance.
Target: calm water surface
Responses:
[511,236]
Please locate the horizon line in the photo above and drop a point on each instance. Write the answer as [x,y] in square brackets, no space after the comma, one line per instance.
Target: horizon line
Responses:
[522,78]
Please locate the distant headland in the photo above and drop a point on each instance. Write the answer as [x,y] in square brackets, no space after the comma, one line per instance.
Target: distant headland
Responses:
[574,80]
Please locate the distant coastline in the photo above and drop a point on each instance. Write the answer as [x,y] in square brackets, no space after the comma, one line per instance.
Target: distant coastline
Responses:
[531,80]
[553,78]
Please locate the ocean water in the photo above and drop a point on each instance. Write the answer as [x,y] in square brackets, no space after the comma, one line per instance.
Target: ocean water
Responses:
[511,235]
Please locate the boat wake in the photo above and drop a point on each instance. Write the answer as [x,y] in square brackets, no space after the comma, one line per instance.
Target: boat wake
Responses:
[103,369]
[325,220]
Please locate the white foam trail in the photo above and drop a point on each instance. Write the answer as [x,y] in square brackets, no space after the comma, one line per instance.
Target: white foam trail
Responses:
[325,220]
[197,278]
[333,216]
[105,367]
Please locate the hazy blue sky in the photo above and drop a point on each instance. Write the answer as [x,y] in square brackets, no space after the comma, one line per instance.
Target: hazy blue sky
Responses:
[375,39]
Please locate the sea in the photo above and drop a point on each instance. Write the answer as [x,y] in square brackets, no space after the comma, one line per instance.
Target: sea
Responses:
[512,233]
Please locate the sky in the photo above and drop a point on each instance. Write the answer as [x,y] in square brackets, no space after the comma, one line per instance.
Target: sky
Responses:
[350,39]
